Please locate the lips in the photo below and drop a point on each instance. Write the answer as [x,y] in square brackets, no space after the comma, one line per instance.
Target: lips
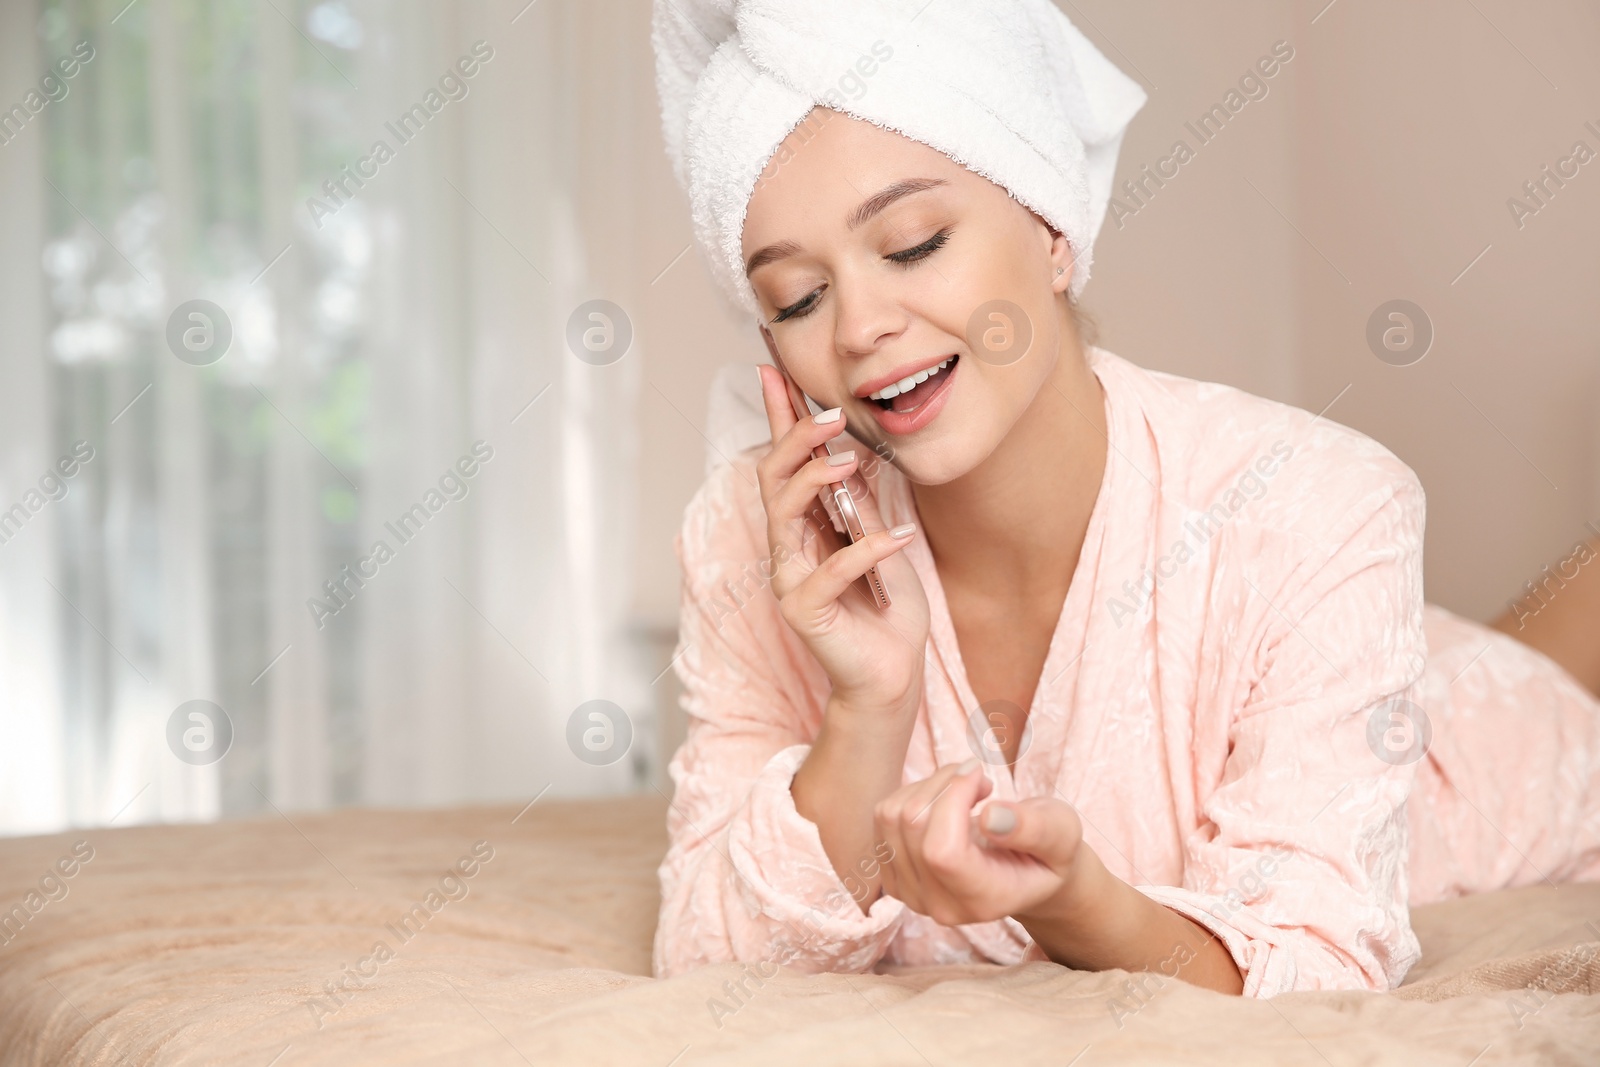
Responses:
[903,379]
[907,384]
[913,409]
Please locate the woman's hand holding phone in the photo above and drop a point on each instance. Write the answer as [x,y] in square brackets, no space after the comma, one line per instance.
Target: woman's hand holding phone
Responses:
[873,656]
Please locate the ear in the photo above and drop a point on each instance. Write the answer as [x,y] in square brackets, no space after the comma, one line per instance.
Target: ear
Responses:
[1062,262]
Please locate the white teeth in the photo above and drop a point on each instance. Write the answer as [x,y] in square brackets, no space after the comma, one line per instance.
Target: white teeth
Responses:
[889,392]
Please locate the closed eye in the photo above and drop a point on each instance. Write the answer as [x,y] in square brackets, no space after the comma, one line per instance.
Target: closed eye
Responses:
[799,309]
[906,257]
[927,248]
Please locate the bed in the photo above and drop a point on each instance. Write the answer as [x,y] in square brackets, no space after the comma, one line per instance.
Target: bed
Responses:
[521,935]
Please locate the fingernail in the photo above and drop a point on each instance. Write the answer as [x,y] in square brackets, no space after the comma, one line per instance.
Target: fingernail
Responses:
[841,459]
[999,820]
[905,529]
[968,767]
[831,415]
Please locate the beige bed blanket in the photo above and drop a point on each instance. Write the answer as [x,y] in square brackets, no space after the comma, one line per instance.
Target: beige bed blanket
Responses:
[228,943]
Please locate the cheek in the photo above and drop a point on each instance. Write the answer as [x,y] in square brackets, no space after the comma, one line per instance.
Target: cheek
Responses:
[1011,390]
[1030,377]
[808,356]
[996,299]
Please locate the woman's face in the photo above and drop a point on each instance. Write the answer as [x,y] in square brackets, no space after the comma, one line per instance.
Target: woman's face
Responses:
[875,257]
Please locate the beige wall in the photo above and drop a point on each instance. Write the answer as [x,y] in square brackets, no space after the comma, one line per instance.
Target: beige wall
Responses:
[1377,166]
[1411,142]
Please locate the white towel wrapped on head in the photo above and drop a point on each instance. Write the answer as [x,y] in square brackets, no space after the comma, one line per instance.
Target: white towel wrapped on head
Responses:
[1010,89]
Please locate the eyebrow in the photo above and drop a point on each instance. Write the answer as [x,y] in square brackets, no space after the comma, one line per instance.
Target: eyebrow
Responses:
[866,210]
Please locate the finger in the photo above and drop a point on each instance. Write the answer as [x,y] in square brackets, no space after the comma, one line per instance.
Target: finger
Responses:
[824,586]
[794,434]
[797,499]
[893,819]
[1041,826]
[915,799]
[947,845]
[917,803]
[787,514]
[775,398]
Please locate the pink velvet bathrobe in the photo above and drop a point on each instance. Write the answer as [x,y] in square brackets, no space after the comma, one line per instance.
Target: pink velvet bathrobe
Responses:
[1260,721]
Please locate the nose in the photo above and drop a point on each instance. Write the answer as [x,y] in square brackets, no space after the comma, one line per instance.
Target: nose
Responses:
[867,316]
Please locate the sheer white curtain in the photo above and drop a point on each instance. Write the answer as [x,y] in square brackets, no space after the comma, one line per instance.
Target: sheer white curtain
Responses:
[222,545]
[32,785]
[493,632]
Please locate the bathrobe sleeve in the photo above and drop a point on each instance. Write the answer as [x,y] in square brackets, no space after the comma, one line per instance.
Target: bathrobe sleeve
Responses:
[1299,862]
[745,876]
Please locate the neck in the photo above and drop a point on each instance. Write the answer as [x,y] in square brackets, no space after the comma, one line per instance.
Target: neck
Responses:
[1014,525]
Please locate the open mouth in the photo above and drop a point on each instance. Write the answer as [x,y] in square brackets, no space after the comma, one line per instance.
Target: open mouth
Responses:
[909,394]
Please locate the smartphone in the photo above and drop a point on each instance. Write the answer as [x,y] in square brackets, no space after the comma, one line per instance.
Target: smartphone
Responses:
[838,492]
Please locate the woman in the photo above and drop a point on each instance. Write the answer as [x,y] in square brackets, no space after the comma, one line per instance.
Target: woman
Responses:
[1158,689]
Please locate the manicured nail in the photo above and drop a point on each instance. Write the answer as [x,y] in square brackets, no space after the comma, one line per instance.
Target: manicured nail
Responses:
[905,529]
[841,459]
[999,820]
[968,767]
[831,415]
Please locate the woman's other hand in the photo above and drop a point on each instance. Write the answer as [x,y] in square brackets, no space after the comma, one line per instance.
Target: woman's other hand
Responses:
[1027,859]
[1013,859]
